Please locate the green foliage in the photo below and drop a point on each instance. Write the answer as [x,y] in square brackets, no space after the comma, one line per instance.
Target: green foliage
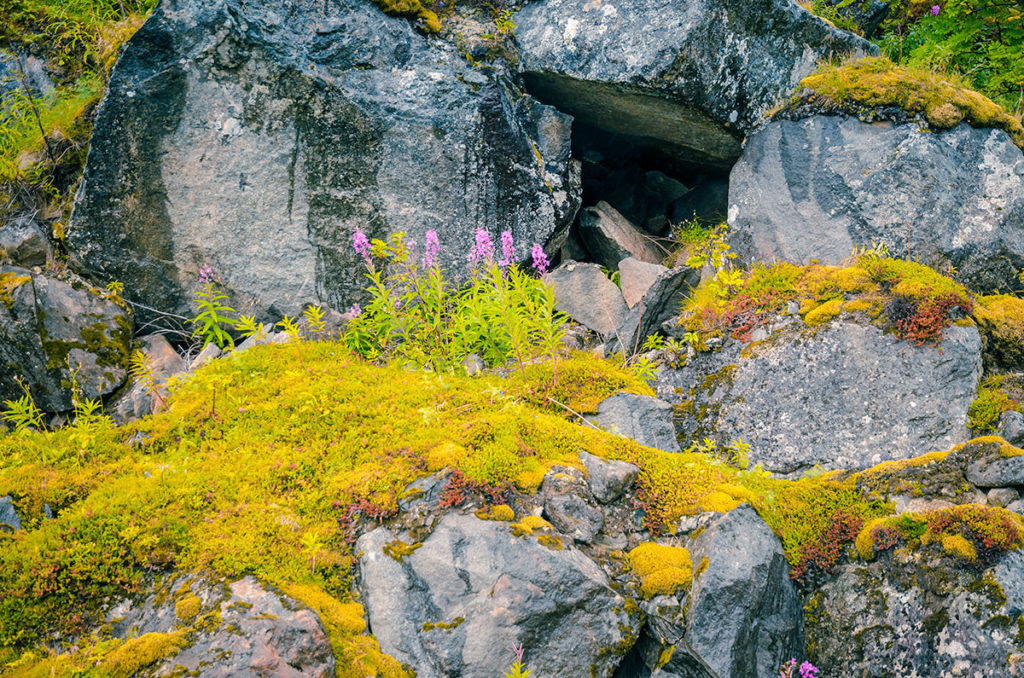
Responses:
[141,371]
[213,317]
[992,401]
[981,40]
[247,326]
[22,413]
[314,316]
[417,317]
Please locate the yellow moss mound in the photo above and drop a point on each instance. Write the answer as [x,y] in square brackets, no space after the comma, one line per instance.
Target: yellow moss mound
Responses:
[662,569]
[944,101]
[500,512]
[411,8]
[138,653]
[1001,321]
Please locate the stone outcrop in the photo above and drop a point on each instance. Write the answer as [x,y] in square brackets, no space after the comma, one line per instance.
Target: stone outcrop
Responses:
[49,329]
[610,237]
[817,188]
[645,419]
[919,614]
[254,139]
[457,602]
[687,77]
[584,293]
[23,244]
[843,395]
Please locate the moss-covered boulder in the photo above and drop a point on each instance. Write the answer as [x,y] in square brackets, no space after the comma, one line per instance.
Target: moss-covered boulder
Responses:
[55,337]
[1001,321]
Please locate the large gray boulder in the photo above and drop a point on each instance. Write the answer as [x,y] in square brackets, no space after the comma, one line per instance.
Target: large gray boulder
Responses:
[919,614]
[584,293]
[22,243]
[842,395]
[744,611]
[817,188]
[645,419]
[49,330]
[687,77]
[457,603]
[255,138]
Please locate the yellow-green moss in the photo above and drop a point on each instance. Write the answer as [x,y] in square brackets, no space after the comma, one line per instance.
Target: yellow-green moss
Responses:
[8,283]
[411,8]
[1001,321]
[502,512]
[138,653]
[187,608]
[822,313]
[528,525]
[876,83]
[662,569]
[398,549]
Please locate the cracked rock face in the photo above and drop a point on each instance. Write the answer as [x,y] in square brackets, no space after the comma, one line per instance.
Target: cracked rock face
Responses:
[947,199]
[454,606]
[841,396]
[691,76]
[254,138]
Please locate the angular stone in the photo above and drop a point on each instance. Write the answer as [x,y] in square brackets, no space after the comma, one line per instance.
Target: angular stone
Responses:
[998,472]
[140,400]
[260,632]
[744,611]
[608,479]
[610,237]
[839,396]
[573,516]
[209,353]
[645,419]
[946,199]
[636,278]
[686,78]
[661,302]
[22,243]
[49,329]
[1011,427]
[255,138]
[1002,496]
[584,293]
[8,515]
[490,589]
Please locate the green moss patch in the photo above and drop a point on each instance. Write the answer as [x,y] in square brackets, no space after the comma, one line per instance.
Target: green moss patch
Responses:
[998,393]
[876,83]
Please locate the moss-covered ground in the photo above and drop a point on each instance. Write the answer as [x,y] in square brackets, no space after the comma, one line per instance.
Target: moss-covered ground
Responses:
[263,463]
[876,83]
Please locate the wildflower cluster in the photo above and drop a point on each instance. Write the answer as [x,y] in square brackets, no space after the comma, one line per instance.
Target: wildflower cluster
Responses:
[807,670]
[416,315]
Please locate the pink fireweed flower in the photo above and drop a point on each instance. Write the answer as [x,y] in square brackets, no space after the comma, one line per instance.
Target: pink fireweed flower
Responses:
[540,259]
[483,249]
[808,670]
[507,249]
[431,248]
[935,12]
[354,311]
[205,275]
[361,244]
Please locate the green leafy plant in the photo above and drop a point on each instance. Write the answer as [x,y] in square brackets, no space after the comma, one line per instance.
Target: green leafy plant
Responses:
[314,316]
[416,316]
[247,326]
[518,669]
[213,317]
[22,413]
[289,327]
[142,371]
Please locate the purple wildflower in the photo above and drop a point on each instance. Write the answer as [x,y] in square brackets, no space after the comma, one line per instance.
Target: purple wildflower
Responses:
[483,249]
[431,248]
[354,311]
[361,244]
[507,249]
[787,669]
[205,275]
[540,259]
[808,670]
[935,12]
[518,650]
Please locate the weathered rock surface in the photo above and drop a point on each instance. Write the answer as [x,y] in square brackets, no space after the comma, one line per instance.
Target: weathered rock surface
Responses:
[610,237]
[254,138]
[684,76]
[843,395]
[22,243]
[744,612]
[645,419]
[1011,427]
[997,472]
[608,479]
[487,589]
[919,614]
[47,325]
[636,278]
[660,303]
[817,188]
[584,293]
[9,515]
[569,505]
[256,632]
